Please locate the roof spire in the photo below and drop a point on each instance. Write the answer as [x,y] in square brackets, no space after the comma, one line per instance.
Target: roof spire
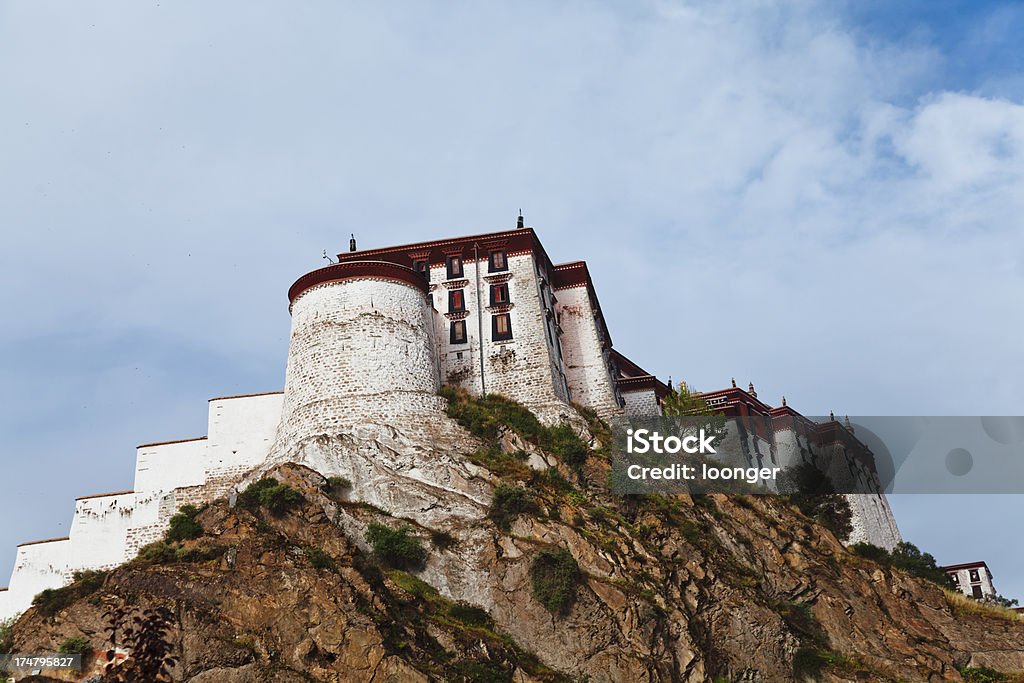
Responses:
[751,391]
[733,382]
[783,401]
[352,242]
[831,416]
[520,224]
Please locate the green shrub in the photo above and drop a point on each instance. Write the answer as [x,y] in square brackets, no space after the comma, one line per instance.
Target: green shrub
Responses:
[554,575]
[982,674]
[486,416]
[808,661]
[88,581]
[52,600]
[909,558]
[801,621]
[470,615]
[442,540]
[337,486]
[396,548]
[76,645]
[269,493]
[7,635]
[508,503]
[816,497]
[162,552]
[563,441]
[183,525]
[473,671]
[871,552]
[318,558]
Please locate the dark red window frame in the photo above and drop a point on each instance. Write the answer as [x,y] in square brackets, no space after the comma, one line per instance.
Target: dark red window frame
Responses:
[456,300]
[499,294]
[457,334]
[499,321]
[454,265]
[497,262]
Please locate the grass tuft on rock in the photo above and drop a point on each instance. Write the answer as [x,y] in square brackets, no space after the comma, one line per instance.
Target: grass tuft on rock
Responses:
[554,576]
[508,503]
[397,548]
[183,525]
[268,493]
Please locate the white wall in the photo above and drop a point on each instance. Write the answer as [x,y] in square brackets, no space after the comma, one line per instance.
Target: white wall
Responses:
[108,529]
[165,466]
[38,566]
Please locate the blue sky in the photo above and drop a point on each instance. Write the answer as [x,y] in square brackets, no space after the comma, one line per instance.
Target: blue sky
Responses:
[822,198]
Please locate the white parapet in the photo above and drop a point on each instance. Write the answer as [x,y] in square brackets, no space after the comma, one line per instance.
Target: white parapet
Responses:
[108,529]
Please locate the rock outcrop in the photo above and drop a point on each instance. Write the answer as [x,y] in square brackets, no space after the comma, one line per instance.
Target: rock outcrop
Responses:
[723,588]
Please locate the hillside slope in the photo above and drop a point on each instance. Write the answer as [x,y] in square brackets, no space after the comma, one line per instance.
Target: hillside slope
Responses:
[736,588]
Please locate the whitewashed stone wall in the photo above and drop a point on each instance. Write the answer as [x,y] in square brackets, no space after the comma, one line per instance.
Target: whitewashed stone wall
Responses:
[38,566]
[641,403]
[359,348]
[585,354]
[526,368]
[109,529]
[872,518]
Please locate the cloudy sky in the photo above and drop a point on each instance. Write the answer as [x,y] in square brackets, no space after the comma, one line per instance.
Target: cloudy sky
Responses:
[823,198]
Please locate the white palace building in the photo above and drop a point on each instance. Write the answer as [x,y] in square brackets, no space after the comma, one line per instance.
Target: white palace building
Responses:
[374,337]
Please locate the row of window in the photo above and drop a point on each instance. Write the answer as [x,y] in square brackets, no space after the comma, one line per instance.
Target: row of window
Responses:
[496,263]
[457,297]
[501,329]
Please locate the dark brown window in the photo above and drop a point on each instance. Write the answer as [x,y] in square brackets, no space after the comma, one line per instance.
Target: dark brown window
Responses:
[497,262]
[976,592]
[499,294]
[454,267]
[974,575]
[501,327]
[456,301]
[956,579]
[423,268]
[458,332]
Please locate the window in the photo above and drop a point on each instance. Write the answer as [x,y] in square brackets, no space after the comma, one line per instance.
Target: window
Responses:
[974,575]
[499,294]
[456,301]
[501,327]
[423,268]
[454,267]
[976,592]
[497,262]
[956,579]
[458,333]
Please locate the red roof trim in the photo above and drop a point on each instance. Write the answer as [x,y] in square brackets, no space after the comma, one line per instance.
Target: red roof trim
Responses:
[227,398]
[965,565]
[168,443]
[516,239]
[350,270]
[104,495]
[45,540]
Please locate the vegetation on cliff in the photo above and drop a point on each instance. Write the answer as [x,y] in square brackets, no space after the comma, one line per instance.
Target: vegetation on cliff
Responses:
[555,579]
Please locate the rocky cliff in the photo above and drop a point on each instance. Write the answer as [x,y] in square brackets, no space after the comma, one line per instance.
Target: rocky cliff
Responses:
[508,559]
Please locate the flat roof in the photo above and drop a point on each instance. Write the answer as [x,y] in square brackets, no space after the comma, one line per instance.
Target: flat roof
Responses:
[45,540]
[965,565]
[262,393]
[167,443]
[104,495]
